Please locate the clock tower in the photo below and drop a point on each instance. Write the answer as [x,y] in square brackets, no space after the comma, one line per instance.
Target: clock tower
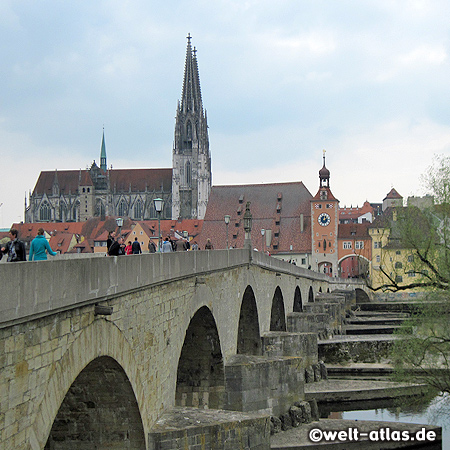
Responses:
[324,229]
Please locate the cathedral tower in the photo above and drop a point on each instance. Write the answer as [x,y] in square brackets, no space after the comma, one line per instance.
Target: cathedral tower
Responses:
[191,160]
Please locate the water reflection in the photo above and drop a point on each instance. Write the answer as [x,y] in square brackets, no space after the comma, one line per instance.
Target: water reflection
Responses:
[431,409]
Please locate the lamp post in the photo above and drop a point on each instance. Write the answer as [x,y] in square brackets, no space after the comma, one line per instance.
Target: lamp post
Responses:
[248,226]
[227,222]
[262,236]
[158,203]
[119,222]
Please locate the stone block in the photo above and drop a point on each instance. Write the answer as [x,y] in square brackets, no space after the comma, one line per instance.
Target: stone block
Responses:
[296,416]
[275,425]
[286,421]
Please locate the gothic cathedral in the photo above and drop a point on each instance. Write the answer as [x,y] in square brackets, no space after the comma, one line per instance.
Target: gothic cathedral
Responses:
[78,195]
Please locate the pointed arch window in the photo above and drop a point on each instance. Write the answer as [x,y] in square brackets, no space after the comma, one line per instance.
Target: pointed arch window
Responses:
[45,212]
[76,211]
[99,208]
[189,130]
[188,173]
[63,212]
[138,210]
[122,210]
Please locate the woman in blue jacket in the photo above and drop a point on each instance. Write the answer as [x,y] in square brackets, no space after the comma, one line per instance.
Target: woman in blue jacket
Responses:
[39,247]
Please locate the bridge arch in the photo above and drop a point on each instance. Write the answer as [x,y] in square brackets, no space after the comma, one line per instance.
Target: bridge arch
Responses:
[200,373]
[298,303]
[277,314]
[249,337]
[99,409]
[100,339]
[361,296]
[310,295]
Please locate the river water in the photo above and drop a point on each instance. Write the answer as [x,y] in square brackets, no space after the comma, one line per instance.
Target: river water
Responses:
[427,411]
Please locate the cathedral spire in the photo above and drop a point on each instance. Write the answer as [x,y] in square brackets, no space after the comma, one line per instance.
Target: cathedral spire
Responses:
[191,98]
[191,170]
[103,164]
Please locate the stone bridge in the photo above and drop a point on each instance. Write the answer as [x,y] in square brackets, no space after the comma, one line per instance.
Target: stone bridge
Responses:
[94,351]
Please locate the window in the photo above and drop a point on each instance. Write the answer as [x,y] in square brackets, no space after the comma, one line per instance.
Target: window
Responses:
[122,208]
[347,245]
[398,265]
[323,195]
[137,210]
[398,279]
[377,244]
[359,245]
[378,258]
[45,212]
[411,258]
[303,261]
[398,252]
[411,273]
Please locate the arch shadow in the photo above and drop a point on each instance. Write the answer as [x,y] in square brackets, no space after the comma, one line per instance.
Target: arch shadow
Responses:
[249,337]
[310,295]
[200,373]
[277,314]
[298,303]
[99,411]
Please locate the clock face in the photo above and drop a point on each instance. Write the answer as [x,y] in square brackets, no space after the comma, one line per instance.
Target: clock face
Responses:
[324,219]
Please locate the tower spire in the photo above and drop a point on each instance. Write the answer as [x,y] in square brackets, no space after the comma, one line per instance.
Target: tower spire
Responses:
[103,164]
[191,171]
[191,98]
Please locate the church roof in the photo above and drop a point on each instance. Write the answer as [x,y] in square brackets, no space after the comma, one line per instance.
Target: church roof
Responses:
[120,180]
[276,207]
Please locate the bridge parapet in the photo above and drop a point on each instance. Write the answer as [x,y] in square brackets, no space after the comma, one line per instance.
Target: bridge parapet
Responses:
[44,287]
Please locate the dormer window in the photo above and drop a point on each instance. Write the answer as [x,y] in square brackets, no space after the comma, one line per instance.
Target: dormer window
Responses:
[241,199]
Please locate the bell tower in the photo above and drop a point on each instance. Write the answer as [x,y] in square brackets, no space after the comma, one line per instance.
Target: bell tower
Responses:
[324,226]
[191,160]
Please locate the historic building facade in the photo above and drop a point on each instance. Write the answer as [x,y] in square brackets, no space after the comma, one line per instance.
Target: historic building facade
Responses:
[324,226]
[77,195]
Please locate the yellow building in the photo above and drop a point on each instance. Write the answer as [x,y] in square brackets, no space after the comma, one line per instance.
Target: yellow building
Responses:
[394,263]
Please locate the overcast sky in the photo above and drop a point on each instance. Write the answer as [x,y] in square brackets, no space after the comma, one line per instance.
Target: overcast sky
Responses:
[281,80]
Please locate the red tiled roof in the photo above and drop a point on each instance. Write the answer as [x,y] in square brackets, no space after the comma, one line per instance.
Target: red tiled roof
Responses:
[270,203]
[361,230]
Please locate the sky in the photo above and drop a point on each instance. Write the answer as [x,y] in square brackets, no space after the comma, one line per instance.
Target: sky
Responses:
[368,81]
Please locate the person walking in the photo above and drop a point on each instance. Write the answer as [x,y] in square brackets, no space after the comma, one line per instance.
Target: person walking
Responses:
[117,248]
[180,245]
[128,249]
[151,246]
[194,246]
[136,247]
[14,248]
[208,245]
[40,247]
[166,246]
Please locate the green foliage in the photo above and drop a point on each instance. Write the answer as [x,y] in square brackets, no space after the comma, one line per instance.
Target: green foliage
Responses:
[424,354]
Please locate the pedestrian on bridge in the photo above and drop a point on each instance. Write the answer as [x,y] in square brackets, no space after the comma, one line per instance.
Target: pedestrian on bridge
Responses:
[14,248]
[40,247]
[136,247]
[166,245]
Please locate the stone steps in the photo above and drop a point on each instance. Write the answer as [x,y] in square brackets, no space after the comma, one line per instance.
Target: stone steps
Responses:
[370,329]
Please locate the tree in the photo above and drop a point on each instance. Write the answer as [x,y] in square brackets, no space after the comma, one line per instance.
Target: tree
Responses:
[422,352]
[414,242]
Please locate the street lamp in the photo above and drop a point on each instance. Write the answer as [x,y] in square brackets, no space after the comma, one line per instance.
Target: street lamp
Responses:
[119,222]
[262,236]
[158,203]
[248,226]
[227,222]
